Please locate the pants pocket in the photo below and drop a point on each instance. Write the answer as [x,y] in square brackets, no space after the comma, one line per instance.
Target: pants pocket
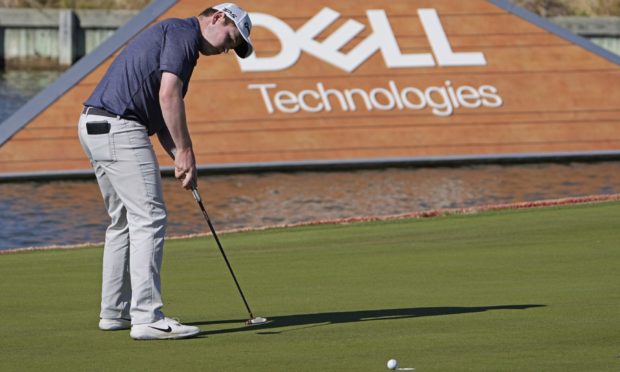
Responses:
[101,146]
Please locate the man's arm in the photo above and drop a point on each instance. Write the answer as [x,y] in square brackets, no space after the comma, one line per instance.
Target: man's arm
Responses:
[167,142]
[173,110]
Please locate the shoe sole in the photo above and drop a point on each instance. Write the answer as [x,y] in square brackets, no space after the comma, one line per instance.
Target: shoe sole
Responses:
[164,337]
[114,328]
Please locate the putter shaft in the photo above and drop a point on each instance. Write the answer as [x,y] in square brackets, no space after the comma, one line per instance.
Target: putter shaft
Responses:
[219,245]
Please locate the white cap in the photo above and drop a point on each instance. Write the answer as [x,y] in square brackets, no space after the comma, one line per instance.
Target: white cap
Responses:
[243,23]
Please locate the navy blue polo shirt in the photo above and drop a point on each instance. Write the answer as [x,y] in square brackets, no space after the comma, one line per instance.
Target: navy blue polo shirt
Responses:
[130,87]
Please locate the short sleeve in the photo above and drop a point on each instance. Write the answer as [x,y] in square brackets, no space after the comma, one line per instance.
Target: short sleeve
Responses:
[179,52]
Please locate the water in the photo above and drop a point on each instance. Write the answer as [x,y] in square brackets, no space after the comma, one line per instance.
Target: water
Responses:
[17,87]
[72,212]
[68,212]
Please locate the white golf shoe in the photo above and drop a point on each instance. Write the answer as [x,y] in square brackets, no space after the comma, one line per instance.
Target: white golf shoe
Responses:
[163,329]
[114,324]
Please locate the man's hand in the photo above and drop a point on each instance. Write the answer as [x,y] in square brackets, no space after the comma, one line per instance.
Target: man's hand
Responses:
[185,168]
[173,110]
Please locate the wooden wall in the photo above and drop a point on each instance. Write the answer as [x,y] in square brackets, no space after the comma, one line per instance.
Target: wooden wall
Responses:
[557,97]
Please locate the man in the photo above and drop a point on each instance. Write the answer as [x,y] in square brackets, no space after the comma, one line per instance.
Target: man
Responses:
[141,95]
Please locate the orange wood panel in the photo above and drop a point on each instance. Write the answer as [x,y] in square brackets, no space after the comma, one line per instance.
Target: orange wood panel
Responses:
[557,96]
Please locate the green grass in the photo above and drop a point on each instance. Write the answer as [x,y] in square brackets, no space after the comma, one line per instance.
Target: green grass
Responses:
[526,290]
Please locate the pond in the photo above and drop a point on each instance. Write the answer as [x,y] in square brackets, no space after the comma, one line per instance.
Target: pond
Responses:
[70,212]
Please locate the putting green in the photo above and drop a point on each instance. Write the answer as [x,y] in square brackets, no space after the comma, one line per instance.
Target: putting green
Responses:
[521,290]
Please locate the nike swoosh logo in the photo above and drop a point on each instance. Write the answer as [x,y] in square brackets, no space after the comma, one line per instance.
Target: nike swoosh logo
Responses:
[167,330]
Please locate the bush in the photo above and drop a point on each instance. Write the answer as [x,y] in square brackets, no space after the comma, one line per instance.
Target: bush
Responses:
[555,8]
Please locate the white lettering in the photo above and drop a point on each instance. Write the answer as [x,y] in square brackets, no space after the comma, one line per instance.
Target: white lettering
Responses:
[263,92]
[360,92]
[397,98]
[490,98]
[389,47]
[452,94]
[375,100]
[442,106]
[331,92]
[328,50]
[289,54]
[469,97]
[442,100]
[408,103]
[441,46]
[305,106]
[283,98]
[380,39]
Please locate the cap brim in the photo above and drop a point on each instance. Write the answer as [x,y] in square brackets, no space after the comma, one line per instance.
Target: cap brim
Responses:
[244,50]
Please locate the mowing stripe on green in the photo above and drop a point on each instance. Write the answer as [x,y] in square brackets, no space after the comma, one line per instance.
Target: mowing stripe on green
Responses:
[497,291]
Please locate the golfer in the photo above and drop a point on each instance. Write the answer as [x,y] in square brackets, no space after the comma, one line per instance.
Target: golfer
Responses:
[140,95]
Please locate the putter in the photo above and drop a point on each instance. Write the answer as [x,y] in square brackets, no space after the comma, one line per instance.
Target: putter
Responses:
[253,320]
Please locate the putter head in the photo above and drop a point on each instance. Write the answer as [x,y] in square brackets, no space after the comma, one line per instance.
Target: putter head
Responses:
[256,321]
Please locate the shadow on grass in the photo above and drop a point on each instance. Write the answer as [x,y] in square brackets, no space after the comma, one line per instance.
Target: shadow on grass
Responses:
[303,321]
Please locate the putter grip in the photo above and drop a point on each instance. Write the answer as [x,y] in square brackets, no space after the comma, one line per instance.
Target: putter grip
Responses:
[196,195]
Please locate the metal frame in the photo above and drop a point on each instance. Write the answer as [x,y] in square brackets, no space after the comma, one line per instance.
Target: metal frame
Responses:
[339,164]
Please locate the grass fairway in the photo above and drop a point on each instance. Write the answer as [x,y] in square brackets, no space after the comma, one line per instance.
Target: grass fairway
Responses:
[524,290]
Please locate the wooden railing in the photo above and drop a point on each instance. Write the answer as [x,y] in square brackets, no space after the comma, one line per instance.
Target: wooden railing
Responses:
[54,37]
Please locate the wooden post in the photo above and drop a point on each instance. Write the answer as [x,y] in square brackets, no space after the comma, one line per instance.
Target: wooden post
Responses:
[67,37]
[2,53]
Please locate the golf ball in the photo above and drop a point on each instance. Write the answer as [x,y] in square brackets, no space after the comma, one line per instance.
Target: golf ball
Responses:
[392,364]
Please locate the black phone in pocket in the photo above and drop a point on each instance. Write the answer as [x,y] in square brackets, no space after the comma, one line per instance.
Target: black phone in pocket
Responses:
[97,127]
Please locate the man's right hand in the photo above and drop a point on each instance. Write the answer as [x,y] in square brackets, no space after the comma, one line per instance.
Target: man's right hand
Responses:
[185,168]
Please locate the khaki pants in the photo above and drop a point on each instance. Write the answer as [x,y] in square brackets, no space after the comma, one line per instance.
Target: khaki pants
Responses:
[129,178]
